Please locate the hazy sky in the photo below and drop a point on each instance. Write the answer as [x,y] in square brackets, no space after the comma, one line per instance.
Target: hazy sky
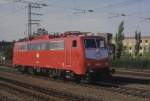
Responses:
[63,15]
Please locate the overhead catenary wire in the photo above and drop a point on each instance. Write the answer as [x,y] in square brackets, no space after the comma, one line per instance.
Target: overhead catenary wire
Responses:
[115,5]
[96,10]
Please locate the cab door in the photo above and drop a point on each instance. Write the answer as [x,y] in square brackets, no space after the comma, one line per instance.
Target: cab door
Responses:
[68,52]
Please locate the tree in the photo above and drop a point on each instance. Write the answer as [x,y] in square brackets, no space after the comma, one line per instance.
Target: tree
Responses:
[137,42]
[118,39]
[8,53]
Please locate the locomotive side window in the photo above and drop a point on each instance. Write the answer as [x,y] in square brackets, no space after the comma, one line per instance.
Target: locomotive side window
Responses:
[44,46]
[100,43]
[74,43]
[90,43]
[34,46]
[38,46]
[94,43]
[23,47]
[56,45]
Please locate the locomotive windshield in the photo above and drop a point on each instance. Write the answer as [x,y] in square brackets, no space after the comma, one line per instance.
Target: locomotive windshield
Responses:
[94,43]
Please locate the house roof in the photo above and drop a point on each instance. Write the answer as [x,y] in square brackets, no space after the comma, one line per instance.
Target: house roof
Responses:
[132,37]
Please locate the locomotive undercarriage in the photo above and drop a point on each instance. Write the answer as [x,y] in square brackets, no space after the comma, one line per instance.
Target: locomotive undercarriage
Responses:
[93,75]
[53,73]
[90,76]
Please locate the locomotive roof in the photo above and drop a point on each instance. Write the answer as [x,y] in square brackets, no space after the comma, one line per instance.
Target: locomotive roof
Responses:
[58,38]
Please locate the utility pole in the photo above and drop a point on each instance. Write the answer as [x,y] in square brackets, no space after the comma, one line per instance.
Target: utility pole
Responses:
[29,21]
[30,13]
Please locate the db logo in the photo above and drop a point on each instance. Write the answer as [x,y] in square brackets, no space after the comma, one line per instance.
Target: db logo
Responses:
[37,55]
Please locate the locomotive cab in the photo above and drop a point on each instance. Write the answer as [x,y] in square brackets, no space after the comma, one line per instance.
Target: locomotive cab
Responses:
[96,55]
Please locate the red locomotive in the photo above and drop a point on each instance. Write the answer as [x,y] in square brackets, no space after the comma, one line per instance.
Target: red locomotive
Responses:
[71,55]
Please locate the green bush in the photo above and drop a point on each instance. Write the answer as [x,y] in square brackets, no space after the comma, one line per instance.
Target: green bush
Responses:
[139,62]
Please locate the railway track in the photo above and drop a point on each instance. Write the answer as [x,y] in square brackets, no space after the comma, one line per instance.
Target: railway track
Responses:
[41,93]
[112,87]
[14,88]
[109,86]
[133,72]
[124,90]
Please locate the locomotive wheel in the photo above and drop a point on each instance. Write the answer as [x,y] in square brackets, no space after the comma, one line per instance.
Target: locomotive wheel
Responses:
[77,79]
[67,75]
[35,71]
[26,70]
[22,70]
[30,70]
[91,78]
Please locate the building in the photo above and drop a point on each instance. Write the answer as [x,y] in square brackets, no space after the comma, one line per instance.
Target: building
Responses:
[107,36]
[129,44]
[4,47]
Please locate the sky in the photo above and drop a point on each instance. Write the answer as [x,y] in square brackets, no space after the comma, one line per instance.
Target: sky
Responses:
[69,15]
